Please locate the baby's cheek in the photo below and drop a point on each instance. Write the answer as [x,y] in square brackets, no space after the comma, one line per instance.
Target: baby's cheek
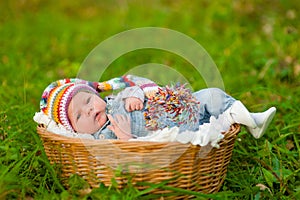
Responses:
[84,126]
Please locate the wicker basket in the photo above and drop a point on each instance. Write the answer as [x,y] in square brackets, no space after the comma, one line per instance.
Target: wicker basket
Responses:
[182,165]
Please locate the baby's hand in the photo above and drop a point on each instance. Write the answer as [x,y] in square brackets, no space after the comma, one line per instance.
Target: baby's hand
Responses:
[120,125]
[133,103]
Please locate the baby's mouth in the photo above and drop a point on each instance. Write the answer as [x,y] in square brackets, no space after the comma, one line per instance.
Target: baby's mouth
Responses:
[97,116]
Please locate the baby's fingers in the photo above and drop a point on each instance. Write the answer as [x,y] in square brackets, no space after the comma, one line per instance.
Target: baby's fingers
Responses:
[128,106]
[112,120]
[121,119]
[114,124]
[140,106]
[118,119]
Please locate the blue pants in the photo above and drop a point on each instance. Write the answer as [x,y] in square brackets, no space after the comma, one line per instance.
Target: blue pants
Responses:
[213,102]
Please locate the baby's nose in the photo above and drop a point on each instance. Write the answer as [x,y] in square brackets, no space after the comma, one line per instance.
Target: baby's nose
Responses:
[89,110]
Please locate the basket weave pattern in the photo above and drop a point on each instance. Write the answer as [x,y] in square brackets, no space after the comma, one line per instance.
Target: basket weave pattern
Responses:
[183,165]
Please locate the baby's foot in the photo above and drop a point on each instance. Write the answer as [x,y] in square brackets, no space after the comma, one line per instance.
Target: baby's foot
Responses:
[262,120]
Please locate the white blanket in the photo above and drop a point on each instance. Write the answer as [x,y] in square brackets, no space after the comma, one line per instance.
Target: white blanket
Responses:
[208,133]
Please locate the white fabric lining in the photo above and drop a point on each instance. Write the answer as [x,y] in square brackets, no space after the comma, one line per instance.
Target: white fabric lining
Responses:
[208,133]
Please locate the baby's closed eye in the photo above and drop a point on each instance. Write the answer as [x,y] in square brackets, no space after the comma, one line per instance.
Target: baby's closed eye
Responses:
[88,100]
[78,116]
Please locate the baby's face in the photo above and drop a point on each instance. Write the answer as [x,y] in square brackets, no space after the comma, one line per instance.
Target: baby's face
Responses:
[87,112]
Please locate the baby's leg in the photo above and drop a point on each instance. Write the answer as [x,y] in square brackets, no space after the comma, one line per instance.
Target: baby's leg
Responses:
[213,102]
[256,123]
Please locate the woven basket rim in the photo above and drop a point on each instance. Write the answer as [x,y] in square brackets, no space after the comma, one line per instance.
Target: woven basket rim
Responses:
[42,131]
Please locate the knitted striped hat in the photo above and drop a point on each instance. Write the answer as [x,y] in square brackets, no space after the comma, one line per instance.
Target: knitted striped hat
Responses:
[58,95]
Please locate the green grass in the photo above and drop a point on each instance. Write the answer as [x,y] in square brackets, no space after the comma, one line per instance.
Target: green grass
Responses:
[255,45]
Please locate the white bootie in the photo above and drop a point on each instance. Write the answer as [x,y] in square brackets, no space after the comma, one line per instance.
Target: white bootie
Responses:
[256,123]
[238,113]
[262,121]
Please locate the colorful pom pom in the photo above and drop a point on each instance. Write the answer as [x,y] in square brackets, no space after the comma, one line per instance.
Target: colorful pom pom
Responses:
[172,106]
